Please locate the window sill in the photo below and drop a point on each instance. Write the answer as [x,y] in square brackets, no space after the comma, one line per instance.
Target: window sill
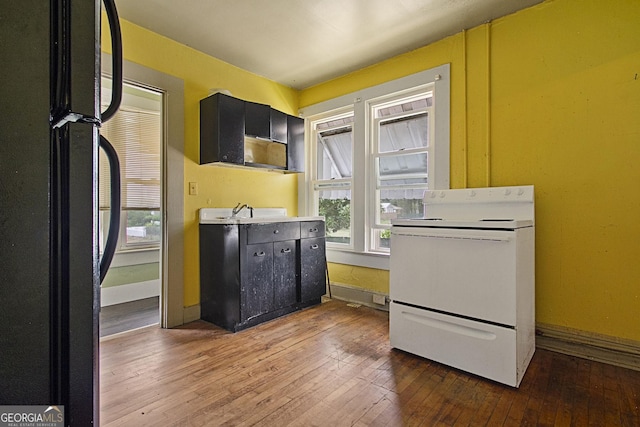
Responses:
[360,259]
[135,257]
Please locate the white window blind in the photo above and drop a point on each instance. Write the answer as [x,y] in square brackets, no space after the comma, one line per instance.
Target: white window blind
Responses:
[136,136]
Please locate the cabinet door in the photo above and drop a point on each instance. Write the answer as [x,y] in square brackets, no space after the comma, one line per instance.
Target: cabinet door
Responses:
[295,144]
[278,126]
[257,281]
[284,273]
[257,120]
[221,129]
[312,269]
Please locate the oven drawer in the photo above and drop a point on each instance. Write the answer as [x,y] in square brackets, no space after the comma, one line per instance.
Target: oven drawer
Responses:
[474,273]
[482,349]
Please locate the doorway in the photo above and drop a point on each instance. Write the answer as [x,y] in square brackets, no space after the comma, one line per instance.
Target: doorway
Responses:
[172,310]
[130,292]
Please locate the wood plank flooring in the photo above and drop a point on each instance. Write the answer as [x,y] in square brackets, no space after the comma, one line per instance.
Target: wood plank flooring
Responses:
[332,365]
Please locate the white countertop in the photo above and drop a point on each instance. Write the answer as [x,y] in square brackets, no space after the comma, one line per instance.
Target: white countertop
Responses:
[260,216]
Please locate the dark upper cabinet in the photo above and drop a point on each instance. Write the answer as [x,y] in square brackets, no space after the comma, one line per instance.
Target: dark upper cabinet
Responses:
[278,126]
[276,139]
[257,120]
[295,144]
[222,129]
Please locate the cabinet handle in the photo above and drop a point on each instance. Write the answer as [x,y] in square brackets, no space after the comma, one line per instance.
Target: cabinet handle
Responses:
[285,250]
[313,230]
[261,253]
[314,246]
[275,231]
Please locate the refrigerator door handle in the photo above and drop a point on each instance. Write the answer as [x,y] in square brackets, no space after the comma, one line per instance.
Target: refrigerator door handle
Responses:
[116,49]
[114,218]
[114,164]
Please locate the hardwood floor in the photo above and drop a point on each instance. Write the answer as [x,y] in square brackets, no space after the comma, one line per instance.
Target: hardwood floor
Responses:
[332,365]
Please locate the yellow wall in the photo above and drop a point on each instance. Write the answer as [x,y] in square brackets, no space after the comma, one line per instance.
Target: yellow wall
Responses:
[548,96]
[218,186]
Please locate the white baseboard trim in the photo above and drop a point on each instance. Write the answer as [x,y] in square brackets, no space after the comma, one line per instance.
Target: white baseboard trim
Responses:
[587,345]
[130,292]
[192,313]
[357,295]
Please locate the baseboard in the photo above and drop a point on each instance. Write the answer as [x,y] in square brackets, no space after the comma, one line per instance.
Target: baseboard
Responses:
[360,296]
[191,313]
[587,345]
[130,292]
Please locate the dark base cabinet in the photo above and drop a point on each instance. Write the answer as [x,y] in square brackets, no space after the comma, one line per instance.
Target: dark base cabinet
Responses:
[251,273]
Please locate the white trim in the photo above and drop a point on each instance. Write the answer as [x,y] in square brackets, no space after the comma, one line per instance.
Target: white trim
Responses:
[130,292]
[135,257]
[172,254]
[192,313]
[438,79]
[362,259]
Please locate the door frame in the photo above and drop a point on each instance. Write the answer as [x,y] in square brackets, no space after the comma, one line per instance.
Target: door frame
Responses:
[172,246]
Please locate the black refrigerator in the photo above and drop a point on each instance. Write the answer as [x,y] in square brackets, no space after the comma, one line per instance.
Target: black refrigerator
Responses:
[49,256]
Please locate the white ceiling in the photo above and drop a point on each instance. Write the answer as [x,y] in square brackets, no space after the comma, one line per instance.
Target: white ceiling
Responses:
[300,43]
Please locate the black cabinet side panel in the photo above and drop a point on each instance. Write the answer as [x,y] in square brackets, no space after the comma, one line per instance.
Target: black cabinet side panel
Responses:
[219,275]
[209,133]
[295,144]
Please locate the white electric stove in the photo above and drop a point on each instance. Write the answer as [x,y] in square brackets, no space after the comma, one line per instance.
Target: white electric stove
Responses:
[462,281]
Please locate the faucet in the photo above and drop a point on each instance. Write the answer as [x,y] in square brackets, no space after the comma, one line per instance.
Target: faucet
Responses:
[239,208]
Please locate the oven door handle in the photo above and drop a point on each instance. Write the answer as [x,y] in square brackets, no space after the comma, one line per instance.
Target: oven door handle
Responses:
[462,234]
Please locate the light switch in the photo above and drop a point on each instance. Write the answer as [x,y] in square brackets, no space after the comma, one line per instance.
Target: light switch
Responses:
[193,188]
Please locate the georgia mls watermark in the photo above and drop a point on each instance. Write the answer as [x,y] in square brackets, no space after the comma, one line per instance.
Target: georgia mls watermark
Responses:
[31,416]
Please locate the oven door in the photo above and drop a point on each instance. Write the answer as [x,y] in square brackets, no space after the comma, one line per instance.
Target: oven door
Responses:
[465,272]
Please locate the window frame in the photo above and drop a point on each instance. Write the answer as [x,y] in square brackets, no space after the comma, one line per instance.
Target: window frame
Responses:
[317,184]
[362,187]
[375,225]
[159,101]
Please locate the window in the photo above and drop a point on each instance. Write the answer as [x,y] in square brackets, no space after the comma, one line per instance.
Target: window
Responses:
[135,131]
[372,155]
[401,129]
[333,177]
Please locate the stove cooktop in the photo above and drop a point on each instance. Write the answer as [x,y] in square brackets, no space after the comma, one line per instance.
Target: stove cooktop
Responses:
[504,223]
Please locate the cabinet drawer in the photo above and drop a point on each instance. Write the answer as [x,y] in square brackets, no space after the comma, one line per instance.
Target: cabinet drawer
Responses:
[272,232]
[311,229]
